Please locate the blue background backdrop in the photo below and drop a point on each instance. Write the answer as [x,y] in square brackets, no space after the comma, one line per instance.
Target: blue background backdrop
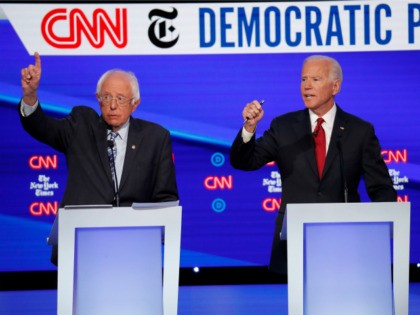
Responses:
[199,98]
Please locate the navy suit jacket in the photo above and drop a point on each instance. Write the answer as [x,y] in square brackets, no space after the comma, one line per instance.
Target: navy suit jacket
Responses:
[148,172]
[289,142]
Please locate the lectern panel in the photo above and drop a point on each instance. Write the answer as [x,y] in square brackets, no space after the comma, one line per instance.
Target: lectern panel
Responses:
[323,256]
[105,261]
[110,260]
[347,269]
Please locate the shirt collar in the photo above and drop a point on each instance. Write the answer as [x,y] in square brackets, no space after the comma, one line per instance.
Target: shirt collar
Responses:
[328,117]
[123,131]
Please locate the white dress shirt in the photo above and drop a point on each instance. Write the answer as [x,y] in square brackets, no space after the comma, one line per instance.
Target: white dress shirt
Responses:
[121,145]
[327,125]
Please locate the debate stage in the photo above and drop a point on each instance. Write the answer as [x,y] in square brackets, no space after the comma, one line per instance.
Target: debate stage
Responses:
[244,299]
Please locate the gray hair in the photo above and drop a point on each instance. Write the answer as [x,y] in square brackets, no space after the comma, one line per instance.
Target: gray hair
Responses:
[335,71]
[134,83]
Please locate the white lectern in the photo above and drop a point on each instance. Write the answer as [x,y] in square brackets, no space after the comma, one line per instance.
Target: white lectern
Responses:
[111,261]
[340,258]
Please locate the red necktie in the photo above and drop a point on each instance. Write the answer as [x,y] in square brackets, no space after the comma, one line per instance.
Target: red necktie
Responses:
[320,145]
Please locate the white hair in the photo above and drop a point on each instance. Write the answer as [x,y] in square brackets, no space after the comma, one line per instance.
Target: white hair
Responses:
[335,71]
[134,83]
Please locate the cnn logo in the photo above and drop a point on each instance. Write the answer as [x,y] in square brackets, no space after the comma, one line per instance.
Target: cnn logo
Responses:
[216,182]
[271,204]
[38,209]
[38,162]
[397,156]
[62,28]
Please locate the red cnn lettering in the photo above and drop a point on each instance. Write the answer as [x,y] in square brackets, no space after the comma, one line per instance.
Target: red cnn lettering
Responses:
[271,204]
[214,182]
[402,198]
[38,162]
[77,23]
[395,156]
[38,209]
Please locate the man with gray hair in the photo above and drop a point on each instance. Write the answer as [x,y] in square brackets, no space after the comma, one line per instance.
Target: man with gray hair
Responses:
[321,151]
[111,158]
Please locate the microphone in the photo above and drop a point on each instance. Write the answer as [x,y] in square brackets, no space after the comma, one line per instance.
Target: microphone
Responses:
[343,176]
[315,133]
[110,143]
[116,194]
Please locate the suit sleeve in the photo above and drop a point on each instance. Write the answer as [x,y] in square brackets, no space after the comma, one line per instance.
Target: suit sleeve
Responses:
[255,153]
[165,188]
[379,185]
[54,132]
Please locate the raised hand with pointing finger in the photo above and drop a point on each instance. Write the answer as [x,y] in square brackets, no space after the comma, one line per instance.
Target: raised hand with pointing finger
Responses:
[31,76]
[144,148]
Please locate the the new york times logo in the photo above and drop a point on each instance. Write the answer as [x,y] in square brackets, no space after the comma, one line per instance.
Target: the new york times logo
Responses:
[161,31]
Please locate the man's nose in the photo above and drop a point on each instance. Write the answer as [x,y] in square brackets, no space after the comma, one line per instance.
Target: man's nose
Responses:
[307,85]
[113,104]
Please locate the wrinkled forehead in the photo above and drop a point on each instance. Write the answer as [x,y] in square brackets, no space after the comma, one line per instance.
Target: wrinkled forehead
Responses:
[116,81]
[313,68]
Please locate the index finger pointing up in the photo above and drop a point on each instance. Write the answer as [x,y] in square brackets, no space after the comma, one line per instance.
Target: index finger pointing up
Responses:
[37,61]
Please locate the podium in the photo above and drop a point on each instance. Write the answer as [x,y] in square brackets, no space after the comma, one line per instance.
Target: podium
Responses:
[112,261]
[340,258]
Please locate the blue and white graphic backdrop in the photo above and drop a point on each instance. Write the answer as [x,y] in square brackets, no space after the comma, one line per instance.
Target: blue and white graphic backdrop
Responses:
[198,65]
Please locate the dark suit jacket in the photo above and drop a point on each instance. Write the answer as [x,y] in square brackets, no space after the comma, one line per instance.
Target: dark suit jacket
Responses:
[289,143]
[148,173]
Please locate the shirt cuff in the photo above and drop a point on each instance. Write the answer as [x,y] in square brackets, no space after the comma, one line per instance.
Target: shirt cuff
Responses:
[246,136]
[26,110]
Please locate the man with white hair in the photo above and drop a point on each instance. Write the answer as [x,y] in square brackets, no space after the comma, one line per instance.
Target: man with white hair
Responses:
[321,151]
[111,158]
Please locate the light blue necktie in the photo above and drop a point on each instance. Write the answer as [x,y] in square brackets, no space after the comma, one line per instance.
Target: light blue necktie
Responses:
[112,154]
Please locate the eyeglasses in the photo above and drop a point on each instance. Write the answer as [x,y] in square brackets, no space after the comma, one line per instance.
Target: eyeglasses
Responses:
[121,100]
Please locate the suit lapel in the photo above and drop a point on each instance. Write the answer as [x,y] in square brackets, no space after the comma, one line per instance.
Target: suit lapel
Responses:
[100,135]
[306,133]
[135,137]
[339,132]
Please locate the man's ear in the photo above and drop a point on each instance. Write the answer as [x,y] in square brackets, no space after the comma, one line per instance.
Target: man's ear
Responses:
[135,104]
[336,87]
